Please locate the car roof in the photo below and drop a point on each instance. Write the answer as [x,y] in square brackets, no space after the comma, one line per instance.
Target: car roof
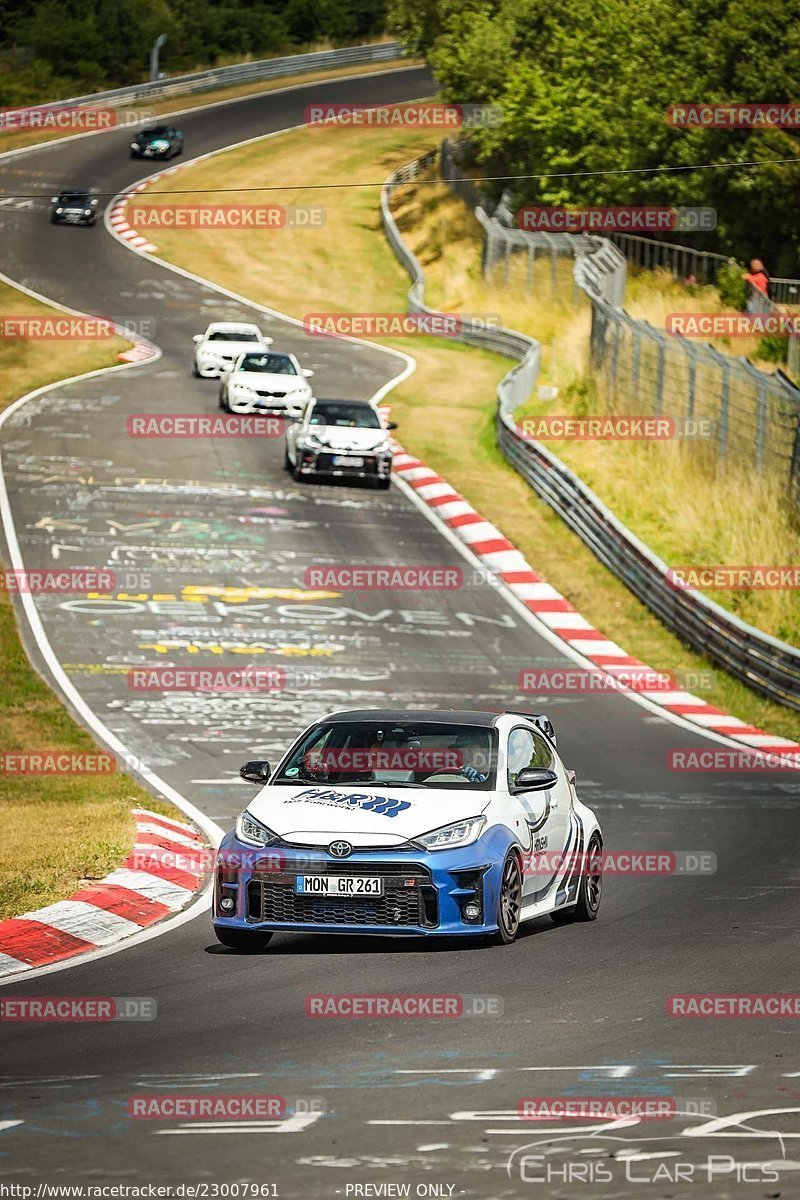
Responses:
[73,191]
[446,716]
[341,400]
[233,325]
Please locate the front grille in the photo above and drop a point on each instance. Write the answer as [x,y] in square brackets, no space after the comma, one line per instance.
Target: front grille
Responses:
[272,898]
[325,462]
[272,395]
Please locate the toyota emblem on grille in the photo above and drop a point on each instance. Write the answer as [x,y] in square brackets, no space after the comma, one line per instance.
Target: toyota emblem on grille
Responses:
[340,849]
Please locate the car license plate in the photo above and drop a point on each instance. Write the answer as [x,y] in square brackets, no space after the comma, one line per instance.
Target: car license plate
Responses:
[342,460]
[338,885]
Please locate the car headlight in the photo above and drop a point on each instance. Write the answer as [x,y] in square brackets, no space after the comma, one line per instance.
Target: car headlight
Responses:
[311,439]
[59,210]
[381,448]
[460,833]
[252,832]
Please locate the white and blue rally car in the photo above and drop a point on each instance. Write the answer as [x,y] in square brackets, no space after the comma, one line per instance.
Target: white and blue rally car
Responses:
[410,823]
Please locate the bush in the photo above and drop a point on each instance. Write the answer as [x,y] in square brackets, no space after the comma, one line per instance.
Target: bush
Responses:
[730,285]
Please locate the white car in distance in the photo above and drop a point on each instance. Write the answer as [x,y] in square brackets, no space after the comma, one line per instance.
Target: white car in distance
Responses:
[222,343]
[265,382]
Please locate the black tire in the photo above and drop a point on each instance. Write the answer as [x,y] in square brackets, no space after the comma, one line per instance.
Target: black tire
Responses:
[242,939]
[383,484]
[297,475]
[223,403]
[195,372]
[590,892]
[509,900]
[287,462]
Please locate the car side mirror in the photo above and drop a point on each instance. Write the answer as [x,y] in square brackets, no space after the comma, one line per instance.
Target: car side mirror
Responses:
[391,424]
[257,771]
[54,199]
[198,337]
[267,341]
[308,374]
[535,779]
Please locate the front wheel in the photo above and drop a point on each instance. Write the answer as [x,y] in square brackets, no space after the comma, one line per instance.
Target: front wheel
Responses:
[244,940]
[223,402]
[509,902]
[383,484]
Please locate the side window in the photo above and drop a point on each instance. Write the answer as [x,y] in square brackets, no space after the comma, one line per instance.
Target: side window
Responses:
[526,749]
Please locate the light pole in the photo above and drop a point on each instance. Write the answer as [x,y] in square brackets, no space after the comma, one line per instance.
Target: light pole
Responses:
[157,44]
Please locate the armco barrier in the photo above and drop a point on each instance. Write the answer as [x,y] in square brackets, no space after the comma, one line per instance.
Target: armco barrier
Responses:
[764,663]
[251,72]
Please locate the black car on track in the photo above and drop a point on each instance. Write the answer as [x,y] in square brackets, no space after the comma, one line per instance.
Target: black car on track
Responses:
[73,206]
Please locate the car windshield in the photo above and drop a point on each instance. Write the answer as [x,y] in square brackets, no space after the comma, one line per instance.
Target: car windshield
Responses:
[74,198]
[360,416]
[156,131]
[232,335]
[268,364]
[394,753]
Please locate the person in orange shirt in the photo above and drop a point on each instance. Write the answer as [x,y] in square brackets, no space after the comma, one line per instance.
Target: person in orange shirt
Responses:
[758,277]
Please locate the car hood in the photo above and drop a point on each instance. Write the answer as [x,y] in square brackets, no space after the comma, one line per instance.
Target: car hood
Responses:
[336,438]
[364,814]
[261,381]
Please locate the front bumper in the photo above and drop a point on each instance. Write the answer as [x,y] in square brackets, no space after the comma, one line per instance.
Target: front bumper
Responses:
[269,406]
[346,464]
[73,219]
[424,893]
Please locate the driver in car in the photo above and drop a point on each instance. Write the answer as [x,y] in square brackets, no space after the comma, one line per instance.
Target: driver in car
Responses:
[473,759]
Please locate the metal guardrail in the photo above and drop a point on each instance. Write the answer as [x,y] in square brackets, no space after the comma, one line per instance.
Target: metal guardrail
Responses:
[250,72]
[766,664]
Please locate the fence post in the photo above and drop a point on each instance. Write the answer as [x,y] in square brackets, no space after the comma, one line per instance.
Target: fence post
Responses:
[724,410]
[660,375]
[762,417]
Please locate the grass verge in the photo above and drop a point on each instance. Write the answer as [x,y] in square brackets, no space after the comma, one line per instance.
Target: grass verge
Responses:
[446,409]
[669,493]
[58,832]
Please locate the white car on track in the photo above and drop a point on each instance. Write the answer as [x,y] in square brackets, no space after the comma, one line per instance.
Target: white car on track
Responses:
[262,381]
[222,343]
[341,438]
[407,823]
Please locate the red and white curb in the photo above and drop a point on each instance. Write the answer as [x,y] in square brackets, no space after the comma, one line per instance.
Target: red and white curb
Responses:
[119,213]
[160,876]
[503,559]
